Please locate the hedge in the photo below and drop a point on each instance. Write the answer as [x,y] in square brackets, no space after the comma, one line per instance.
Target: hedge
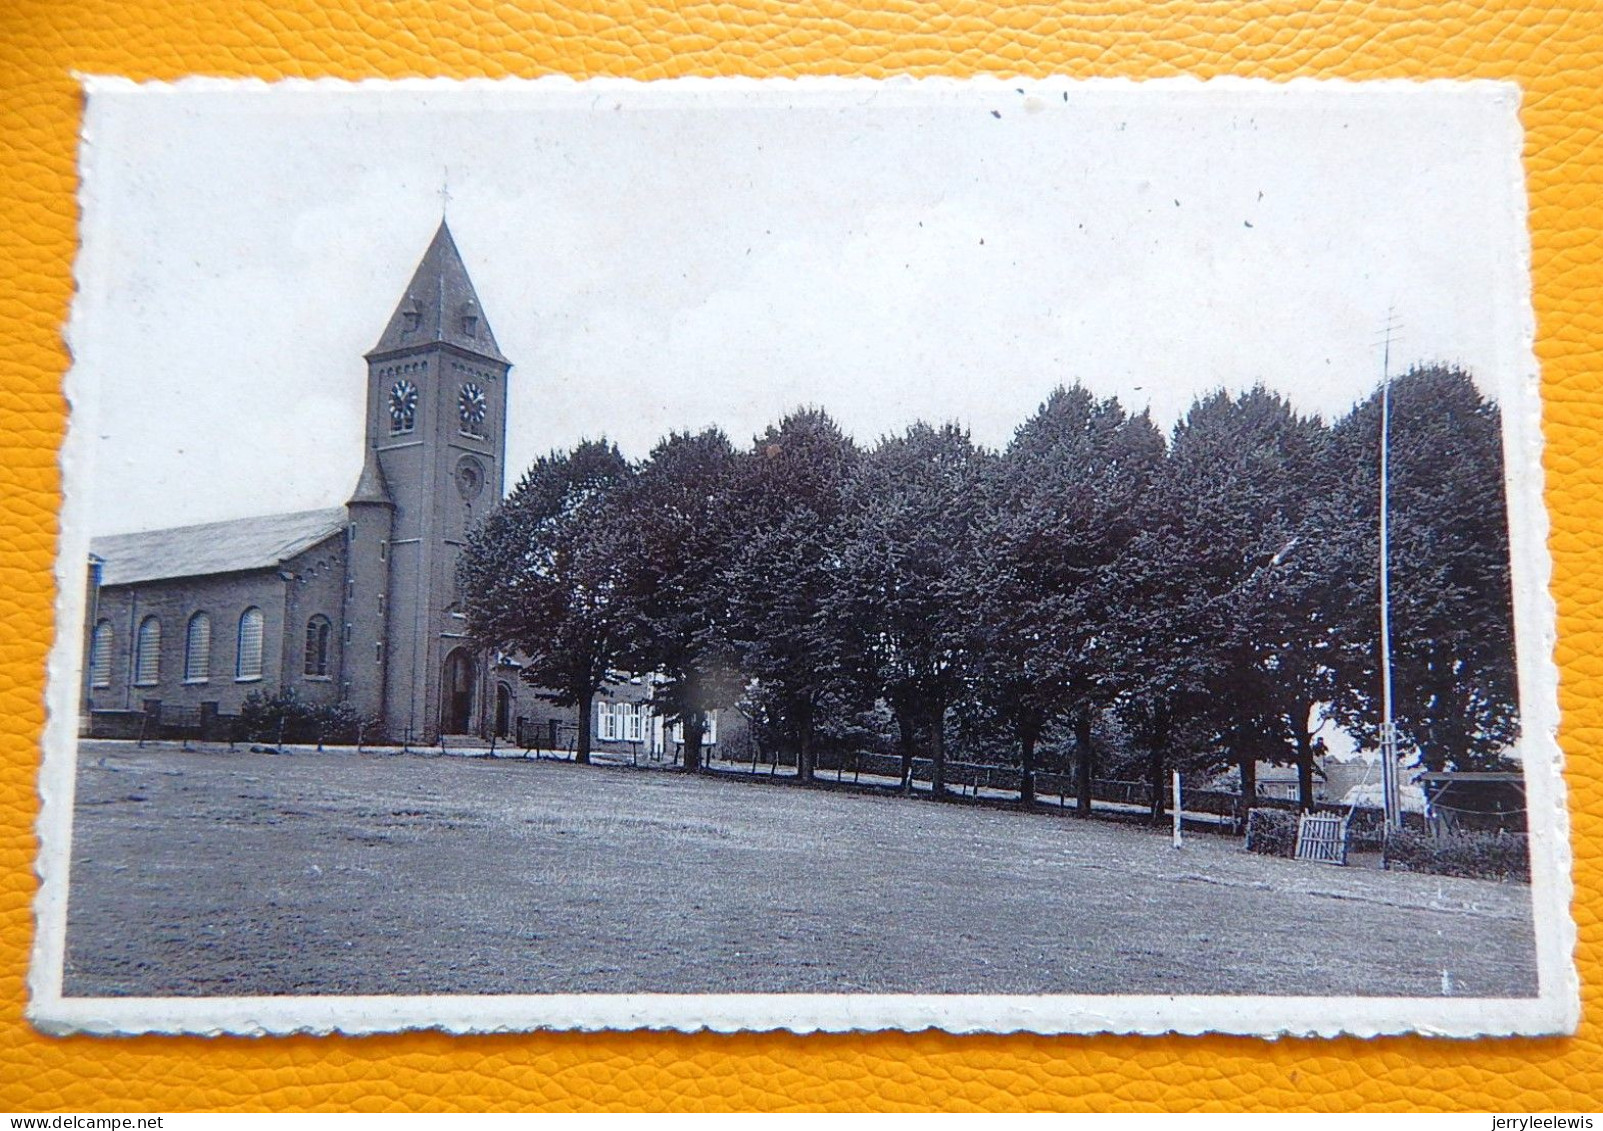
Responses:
[1472,855]
[1272,832]
[287,717]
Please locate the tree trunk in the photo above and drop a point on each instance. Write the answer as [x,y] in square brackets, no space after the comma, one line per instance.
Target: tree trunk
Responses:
[1452,743]
[1249,788]
[938,751]
[1305,762]
[1156,766]
[1082,762]
[694,726]
[1027,766]
[586,708]
[1160,725]
[804,746]
[1157,775]
[904,725]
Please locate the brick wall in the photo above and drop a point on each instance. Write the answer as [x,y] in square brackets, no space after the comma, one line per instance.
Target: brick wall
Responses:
[314,585]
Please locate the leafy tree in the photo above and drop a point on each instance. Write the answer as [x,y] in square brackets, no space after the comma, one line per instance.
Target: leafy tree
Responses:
[907,569]
[1287,611]
[543,577]
[1304,590]
[788,504]
[1452,623]
[1218,592]
[676,504]
[1060,511]
[1227,619]
[1160,638]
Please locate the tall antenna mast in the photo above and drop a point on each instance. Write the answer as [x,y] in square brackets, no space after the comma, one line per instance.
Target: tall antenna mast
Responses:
[1389,770]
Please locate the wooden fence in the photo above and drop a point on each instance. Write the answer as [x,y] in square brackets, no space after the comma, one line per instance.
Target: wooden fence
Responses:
[977,779]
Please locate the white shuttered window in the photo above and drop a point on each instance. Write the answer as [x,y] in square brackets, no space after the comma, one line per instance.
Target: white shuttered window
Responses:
[248,665]
[147,653]
[709,733]
[198,649]
[606,723]
[100,655]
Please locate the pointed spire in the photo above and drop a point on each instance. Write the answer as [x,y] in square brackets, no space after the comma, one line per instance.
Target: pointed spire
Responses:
[371,486]
[439,305]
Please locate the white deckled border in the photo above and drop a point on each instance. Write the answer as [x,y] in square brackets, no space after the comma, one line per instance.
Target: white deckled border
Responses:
[806,1013]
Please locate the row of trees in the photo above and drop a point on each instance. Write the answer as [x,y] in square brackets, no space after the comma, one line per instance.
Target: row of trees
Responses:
[1212,593]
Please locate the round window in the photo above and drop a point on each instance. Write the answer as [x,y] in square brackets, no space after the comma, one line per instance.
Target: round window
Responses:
[469,478]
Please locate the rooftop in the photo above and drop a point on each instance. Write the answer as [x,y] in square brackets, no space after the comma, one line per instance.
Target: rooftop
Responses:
[235,546]
[439,305]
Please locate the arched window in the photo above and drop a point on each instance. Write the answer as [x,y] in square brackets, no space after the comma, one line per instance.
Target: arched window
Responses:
[147,653]
[317,633]
[100,645]
[198,649]
[248,662]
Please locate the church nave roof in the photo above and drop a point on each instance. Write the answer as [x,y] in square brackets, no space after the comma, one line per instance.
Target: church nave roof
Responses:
[234,546]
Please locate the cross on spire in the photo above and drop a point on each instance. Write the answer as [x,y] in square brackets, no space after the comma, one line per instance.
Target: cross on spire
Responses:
[445,191]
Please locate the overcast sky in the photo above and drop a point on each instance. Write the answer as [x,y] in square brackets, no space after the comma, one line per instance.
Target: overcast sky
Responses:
[677,255]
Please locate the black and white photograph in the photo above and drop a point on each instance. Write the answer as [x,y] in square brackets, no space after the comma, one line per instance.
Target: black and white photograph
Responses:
[991,555]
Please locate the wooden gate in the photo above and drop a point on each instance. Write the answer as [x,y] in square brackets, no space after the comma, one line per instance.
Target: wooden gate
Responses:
[1322,837]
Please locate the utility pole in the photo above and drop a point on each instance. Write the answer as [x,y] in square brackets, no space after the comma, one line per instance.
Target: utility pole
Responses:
[1389,770]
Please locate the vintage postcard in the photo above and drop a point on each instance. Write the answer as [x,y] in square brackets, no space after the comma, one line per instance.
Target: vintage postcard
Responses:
[1025,555]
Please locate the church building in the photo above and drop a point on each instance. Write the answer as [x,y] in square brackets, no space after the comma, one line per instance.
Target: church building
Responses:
[353,603]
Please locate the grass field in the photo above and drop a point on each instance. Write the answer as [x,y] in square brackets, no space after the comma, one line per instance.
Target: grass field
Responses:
[201,873]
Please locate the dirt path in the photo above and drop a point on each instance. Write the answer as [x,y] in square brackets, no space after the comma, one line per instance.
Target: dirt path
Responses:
[239,873]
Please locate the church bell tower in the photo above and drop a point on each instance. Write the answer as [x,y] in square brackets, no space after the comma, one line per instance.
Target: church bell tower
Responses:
[436,431]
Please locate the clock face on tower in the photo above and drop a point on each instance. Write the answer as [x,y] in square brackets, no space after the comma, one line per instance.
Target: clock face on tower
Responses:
[403,406]
[471,407]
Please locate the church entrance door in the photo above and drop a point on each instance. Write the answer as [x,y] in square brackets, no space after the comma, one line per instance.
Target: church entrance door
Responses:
[503,711]
[456,695]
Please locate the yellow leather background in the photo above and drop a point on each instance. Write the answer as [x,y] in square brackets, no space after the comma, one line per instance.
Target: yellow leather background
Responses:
[1554,49]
